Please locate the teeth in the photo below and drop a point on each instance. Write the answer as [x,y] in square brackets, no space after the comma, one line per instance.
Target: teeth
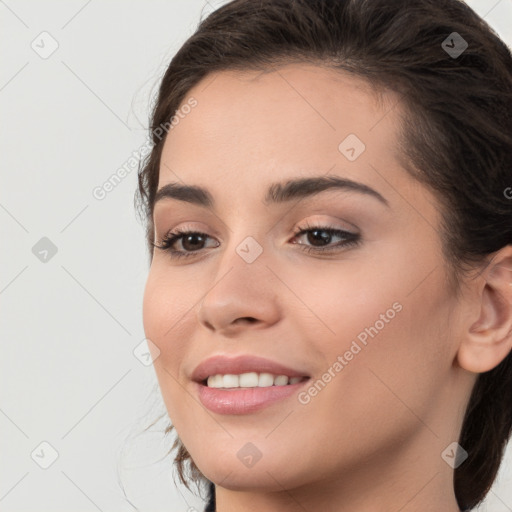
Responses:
[247,380]
[265,380]
[250,380]
[281,380]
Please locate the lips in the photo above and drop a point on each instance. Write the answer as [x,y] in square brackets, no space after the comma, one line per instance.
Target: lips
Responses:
[237,365]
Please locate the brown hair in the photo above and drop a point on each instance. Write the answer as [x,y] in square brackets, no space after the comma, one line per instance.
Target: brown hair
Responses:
[456,138]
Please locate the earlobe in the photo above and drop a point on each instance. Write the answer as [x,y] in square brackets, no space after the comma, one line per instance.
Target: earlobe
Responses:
[488,339]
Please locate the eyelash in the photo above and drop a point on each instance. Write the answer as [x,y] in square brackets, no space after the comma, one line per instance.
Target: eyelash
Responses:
[351,240]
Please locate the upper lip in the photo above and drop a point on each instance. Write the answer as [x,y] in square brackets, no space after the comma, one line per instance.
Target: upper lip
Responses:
[237,365]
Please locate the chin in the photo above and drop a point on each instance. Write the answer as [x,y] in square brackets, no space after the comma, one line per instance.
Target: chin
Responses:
[269,473]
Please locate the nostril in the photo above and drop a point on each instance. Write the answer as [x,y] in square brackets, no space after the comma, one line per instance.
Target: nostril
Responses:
[248,319]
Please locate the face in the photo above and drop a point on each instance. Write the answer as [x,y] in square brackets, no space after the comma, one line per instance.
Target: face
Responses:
[367,320]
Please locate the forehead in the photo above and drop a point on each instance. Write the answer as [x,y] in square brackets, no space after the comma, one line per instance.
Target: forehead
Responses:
[250,125]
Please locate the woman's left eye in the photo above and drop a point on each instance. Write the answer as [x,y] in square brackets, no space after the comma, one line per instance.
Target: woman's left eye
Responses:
[321,235]
[324,235]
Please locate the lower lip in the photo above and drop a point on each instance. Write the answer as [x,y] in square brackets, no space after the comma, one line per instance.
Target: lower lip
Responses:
[244,400]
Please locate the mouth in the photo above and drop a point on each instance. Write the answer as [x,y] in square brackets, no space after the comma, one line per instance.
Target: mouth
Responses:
[251,371]
[245,383]
[235,399]
[250,380]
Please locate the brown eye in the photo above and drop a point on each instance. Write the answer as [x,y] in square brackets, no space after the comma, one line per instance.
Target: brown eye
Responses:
[321,236]
[191,242]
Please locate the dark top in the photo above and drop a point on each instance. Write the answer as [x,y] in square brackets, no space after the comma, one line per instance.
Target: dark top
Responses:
[210,506]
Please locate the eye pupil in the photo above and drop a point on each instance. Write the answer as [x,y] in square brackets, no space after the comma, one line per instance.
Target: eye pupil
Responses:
[326,238]
[186,240]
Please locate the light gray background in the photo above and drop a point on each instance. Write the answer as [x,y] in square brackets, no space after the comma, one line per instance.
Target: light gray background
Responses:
[70,325]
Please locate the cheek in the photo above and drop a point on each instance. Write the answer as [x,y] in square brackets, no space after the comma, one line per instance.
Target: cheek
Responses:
[340,304]
[166,309]
[392,316]
[396,354]
[166,305]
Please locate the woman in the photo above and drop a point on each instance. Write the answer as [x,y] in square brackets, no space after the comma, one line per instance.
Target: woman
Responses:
[329,219]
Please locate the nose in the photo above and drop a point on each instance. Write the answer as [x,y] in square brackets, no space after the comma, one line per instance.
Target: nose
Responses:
[241,294]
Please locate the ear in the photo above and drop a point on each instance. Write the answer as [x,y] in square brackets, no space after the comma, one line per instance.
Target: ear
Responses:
[487,339]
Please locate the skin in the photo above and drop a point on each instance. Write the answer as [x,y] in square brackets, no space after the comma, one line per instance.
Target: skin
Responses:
[372,439]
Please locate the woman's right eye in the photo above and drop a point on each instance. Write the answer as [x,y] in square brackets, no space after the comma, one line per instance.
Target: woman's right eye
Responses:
[187,238]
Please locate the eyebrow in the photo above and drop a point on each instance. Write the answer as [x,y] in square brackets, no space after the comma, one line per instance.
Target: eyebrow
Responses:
[277,192]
